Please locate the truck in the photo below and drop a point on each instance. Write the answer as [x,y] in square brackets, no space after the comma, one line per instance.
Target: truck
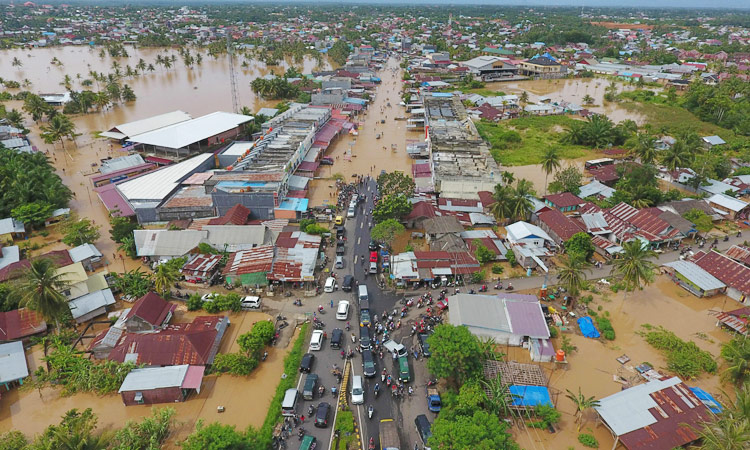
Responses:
[433,400]
[389,435]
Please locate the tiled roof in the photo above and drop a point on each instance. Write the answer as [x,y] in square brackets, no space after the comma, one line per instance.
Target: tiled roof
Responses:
[152,309]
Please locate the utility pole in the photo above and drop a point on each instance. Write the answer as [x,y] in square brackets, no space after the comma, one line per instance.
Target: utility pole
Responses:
[232,75]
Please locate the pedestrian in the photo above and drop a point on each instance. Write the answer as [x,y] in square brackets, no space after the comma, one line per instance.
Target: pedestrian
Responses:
[302,418]
[331,303]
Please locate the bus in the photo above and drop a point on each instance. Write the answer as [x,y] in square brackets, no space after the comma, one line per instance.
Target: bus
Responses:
[597,163]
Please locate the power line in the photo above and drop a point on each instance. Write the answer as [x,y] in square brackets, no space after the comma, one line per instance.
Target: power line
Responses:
[232,75]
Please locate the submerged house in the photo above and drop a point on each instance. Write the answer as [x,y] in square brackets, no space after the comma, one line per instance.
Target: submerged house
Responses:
[151,385]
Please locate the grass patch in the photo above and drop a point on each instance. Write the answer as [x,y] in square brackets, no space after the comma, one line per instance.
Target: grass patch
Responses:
[523,141]
[345,427]
[685,359]
[291,364]
[484,92]
[674,118]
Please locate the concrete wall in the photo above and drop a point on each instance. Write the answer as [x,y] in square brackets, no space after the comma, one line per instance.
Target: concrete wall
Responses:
[261,204]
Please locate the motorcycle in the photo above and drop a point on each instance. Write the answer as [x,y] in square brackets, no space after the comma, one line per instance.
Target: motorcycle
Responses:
[431,382]
[472,291]
[298,302]
[322,391]
[483,288]
[376,391]
[370,410]
[371,445]
[499,285]
[321,309]
[265,355]
[383,375]
[301,433]
[509,288]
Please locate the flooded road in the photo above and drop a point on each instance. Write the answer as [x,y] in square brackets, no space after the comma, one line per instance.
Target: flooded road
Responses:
[246,399]
[573,90]
[366,150]
[594,364]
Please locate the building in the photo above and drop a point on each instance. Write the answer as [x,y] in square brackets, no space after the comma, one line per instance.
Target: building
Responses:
[167,244]
[530,244]
[712,141]
[20,324]
[735,320]
[13,366]
[694,279]
[294,257]
[9,255]
[88,295]
[148,313]
[490,67]
[439,227]
[730,272]
[729,207]
[11,229]
[658,415]
[150,385]
[740,254]
[489,239]
[597,190]
[416,267]
[201,268]
[509,319]
[559,226]
[88,255]
[564,201]
[542,67]
[124,131]
[249,267]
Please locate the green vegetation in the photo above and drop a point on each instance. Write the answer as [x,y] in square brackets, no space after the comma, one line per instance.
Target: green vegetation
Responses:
[599,132]
[546,416]
[605,326]
[456,354]
[724,104]
[219,303]
[392,206]
[582,403]
[525,140]
[579,246]
[736,353]
[512,202]
[339,52]
[149,434]
[133,283]
[167,274]
[395,183]
[571,274]
[386,231]
[685,359]
[26,179]
[345,428]
[482,253]
[700,219]
[223,437]
[634,267]
[41,288]
[588,440]
[78,231]
[731,431]
[570,179]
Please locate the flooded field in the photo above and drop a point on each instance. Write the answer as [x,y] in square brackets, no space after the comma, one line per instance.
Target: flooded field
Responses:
[593,365]
[246,399]
[573,90]
[370,155]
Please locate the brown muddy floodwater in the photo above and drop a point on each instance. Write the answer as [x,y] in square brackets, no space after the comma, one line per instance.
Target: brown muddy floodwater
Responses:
[246,399]
[573,90]
[370,155]
[593,365]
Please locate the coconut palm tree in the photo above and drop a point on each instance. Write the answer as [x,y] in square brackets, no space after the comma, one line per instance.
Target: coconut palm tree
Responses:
[36,106]
[633,265]
[550,163]
[166,275]
[500,209]
[645,148]
[16,62]
[588,100]
[737,355]
[524,98]
[731,430]
[677,156]
[582,404]
[41,288]
[15,118]
[571,275]
[59,127]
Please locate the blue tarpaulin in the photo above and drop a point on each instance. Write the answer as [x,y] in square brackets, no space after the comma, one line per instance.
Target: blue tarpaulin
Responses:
[587,327]
[530,395]
[707,400]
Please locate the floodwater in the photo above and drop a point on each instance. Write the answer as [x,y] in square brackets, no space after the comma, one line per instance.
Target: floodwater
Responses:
[573,90]
[366,150]
[246,399]
[593,365]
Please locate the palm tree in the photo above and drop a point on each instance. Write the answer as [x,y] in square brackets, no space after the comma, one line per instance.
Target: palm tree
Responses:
[731,430]
[645,148]
[41,289]
[675,157]
[524,98]
[165,276]
[59,127]
[550,163]
[588,100]
[36,106]
[582,403]
[571,275]
[500,209]
[16,62]
[633,265]
[737,355]
[15,118]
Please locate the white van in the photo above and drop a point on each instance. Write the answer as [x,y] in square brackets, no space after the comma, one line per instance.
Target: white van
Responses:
[373,267]
[330,285]
[395,348]
[316,341]
[363,293]
[358,394]
[350,212]
[289,404]
[342,313]
[250,302]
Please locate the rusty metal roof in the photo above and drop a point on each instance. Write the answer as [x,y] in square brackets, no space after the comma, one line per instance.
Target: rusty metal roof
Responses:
[151,308]
[730,272]
[255,260]
[20,323]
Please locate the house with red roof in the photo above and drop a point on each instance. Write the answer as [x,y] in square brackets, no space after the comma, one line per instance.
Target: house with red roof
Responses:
[735,275]
[249,267]
[564,201]
[236,215]
[559,226]
[149,313]
[20,324]
[201,268]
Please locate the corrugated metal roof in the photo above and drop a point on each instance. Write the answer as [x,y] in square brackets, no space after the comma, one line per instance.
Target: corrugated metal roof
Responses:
[696,275]
[560,224]
[146,125]
[151,308]
[149,378]
[255,260]
[182,134]
[739,253]
[729,271]
[84,251]
[527,319]
[12,362]
[167,242]
[90,302]
[199,264]
[482,312]
[727,202]
[20,323]
[157,184]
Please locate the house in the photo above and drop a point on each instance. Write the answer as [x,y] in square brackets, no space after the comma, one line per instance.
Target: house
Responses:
[13,366]
[149,313]
[509,319]
[543,67]
[421,211]
[438,227]
[194,343]
[658,415]
[692,278]
[295,257]
[249,267]
[740,254]
[11,229]
[20,324]
[559,226]
[9,255]
[530,244]
[596,189]
[201,268]
[88,255]
[14,270]
[171,384]
[711,186]
[681,207]
[607,175]
[431,266]
[712,141]
[564,201]
[167,244]
[489,239]
[236,215]
[735,320]
[730,272]
[729,207]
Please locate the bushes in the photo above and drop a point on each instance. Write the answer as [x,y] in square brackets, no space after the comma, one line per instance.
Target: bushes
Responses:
[234,364]
[685,359]
[511,258]
[478,277]
[251,344]
[497,269]
[588,440]
[546,416]
[605,326]
[553,333]
[194,302]
[230,302]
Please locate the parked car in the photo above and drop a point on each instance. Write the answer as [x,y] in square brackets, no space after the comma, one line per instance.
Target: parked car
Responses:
[424,347]
[326,161]
[210,297]
[306,364]
[311,382]
[373,246]
[321,416]
[364,338]
[251,302]
[339,264]
[348,283]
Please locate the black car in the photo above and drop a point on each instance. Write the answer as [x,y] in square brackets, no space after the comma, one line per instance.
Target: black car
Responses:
[368,364]
[364,338]
[321,416]
[340,232]
[348,283]
[306,364]
[340,248]
[337,337]
[373,246]
[423,345]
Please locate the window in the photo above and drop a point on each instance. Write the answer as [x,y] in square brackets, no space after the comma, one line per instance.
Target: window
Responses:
[139,398]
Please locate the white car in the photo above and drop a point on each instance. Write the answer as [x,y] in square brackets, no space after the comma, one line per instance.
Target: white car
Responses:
[251,302]
[210,297]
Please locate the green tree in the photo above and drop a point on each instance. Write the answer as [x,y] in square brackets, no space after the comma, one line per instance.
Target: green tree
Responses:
[731,429]
[59,127]
[582,404]
[700,219]
[36,106]
[676,156]
[483,254]
[13,440]
[41,289]
[216,437]
[392,207]
[570,273]
[386,231]
[33,214]
[579,246]
[645,148]
[456,354]
[127,94]
[167,274]
[121,228]
[478,430]
[550,163]
[15,118]
[339,52]
[633,266]
[149,434]
[569,179]
[133,283]
[397,182]
[588,100]
[76,431]
[736,353]
[77,231]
